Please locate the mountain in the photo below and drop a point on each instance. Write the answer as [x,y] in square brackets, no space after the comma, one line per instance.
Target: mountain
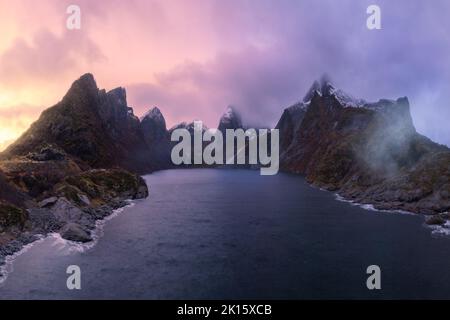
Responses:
[156,136]
[288,124]
[69,168]
[190,127]
[78,161]
[231,119]
[92,126]
[367,152]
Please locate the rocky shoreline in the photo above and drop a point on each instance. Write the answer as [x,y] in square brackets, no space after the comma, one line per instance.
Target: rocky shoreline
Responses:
[434,221]
[369,153]
[47,223]
[74,215]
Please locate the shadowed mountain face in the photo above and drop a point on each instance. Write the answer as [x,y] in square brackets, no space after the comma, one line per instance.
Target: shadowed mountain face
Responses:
[94,126]
[370,152]
[231,119]
[289,122]
[156,136]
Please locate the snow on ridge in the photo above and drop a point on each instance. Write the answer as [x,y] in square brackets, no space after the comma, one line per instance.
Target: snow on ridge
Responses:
[347,100]
[324,88]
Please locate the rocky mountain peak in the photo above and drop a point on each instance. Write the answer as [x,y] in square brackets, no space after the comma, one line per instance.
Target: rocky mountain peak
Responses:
[83,88]
[325,88]
[188,126]
[231,119]
[156,136]
[153,124]
[155,115]
[119,95]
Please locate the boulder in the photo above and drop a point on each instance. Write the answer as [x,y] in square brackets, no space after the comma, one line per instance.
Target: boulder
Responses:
[48,202]
[65,211]
[74,232]
[435,220]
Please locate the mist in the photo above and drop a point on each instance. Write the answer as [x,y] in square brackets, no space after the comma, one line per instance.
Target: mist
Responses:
[289,44]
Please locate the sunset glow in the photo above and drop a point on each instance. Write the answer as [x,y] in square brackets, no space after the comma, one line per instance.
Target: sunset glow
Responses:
[194,58]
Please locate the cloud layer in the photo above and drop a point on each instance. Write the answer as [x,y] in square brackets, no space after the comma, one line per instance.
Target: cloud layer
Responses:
[194,59]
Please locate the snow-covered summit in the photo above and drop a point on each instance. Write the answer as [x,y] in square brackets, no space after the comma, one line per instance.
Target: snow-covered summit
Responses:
[325,88]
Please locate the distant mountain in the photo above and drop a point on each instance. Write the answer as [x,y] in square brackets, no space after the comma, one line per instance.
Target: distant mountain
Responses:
[189,126]
[368,152]
[156,136]
[230,119]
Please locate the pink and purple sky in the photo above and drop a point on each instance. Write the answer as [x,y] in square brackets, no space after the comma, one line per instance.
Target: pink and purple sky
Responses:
[192,58]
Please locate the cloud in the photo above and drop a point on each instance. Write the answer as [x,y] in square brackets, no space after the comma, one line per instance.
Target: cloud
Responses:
[48,56]
[274,52]
[194,59]
[14,120]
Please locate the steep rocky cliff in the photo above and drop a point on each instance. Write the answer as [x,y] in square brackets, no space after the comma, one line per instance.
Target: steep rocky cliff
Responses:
[156,136]
[231,119]
[368,152]
[69,168]
[91,125]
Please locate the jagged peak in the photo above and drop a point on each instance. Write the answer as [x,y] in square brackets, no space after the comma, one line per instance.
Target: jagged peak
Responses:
[85,85]
[118,95]
[87,79]
[118,92]
[189,126]
[153,113]
[230,112]
[230,119]
[314,89]
[321,87]
[325,88]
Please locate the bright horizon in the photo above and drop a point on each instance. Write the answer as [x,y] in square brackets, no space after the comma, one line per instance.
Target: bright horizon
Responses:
[193,59]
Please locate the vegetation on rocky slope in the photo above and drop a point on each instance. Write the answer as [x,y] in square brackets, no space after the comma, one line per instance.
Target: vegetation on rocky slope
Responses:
[11,217]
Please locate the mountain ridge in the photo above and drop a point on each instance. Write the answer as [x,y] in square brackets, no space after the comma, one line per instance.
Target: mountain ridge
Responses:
[368,152]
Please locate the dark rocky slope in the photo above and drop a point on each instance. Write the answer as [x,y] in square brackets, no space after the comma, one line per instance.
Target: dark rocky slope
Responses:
[70,168]
[156,136]
[368,152]
[91,125]
[231,119]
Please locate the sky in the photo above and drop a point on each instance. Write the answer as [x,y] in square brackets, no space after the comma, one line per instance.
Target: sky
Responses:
[193,58]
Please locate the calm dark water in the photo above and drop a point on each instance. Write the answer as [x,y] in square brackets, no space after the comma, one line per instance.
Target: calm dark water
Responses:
[235,234]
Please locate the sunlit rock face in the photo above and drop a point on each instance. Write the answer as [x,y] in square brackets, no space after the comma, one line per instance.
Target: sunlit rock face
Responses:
[94,126]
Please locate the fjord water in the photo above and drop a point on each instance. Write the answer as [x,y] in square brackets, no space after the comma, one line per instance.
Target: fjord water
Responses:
[212,233]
